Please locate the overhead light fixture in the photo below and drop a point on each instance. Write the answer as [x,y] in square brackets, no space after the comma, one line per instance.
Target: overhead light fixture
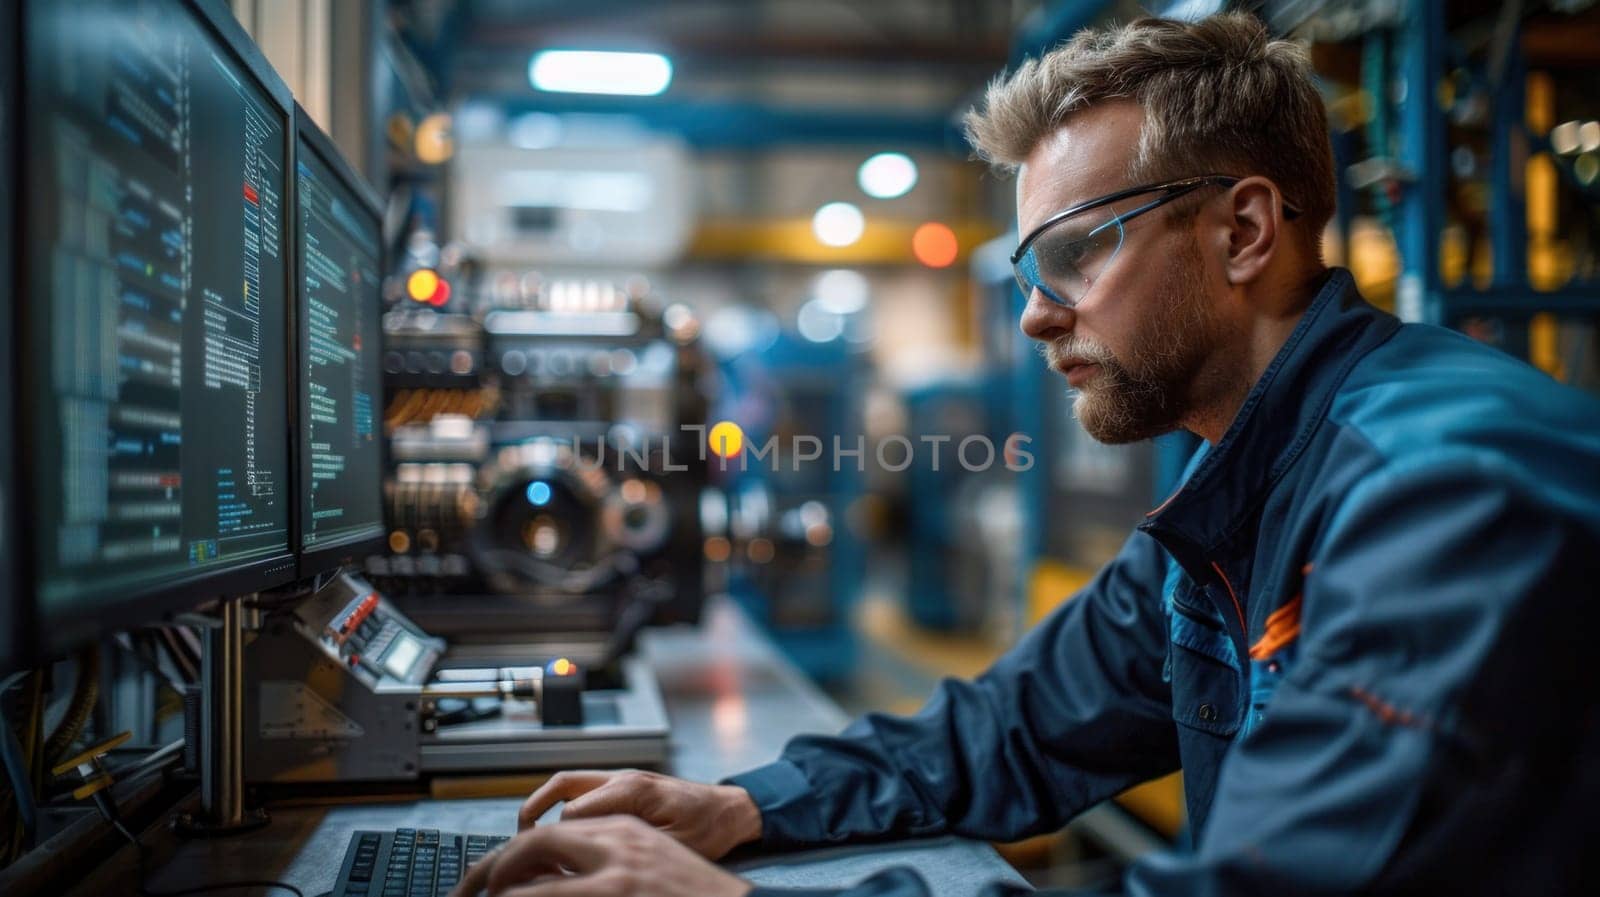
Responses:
[600,71]
[887,175]
[838,224]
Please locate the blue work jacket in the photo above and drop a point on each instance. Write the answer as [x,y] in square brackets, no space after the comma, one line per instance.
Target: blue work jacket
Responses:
[1364,627]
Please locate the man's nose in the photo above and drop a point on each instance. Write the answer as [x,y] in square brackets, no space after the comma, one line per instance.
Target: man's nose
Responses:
[1045,320]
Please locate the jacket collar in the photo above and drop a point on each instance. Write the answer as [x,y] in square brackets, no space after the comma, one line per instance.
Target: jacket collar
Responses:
[1280,414]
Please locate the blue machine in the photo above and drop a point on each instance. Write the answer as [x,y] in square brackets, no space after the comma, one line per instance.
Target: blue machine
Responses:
[950,495]
[798,566]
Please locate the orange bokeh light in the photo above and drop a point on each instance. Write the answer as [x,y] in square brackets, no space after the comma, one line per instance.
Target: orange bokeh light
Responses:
[935,245]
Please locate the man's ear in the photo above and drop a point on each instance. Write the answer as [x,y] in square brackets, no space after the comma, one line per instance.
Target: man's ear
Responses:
[1255,228]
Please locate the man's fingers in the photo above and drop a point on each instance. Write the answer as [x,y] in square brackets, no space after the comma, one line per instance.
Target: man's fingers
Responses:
[598,885]
[562,786]
[617,797]
[477,877]
[580,846]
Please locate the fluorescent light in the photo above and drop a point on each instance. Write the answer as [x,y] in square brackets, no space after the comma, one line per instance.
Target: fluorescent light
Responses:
[838,224]
[599,71]
[887,175]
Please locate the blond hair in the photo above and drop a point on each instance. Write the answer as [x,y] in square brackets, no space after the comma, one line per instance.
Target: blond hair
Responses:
[1219,96]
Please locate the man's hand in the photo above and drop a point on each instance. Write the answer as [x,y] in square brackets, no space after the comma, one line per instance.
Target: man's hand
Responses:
[617,856]
[708,819]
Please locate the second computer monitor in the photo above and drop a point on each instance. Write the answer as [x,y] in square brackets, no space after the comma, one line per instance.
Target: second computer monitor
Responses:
[340,506]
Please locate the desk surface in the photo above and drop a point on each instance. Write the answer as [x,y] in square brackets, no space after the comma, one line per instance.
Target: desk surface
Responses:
[733,703]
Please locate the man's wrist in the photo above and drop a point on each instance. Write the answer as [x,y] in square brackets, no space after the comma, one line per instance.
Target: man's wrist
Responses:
[740,815]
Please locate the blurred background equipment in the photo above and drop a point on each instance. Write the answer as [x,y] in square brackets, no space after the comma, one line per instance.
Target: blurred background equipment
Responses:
[797,553]
[547,460]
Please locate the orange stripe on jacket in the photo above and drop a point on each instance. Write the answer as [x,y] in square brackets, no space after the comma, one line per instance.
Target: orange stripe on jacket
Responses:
[1283,627]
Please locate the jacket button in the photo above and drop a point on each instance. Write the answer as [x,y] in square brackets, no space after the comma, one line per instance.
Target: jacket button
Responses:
[1208,712]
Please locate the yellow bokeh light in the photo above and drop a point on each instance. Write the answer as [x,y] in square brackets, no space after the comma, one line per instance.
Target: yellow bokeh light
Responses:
[434,142]
[422,284]
[726,439]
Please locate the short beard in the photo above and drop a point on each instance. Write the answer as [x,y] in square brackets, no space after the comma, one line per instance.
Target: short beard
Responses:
[1150,394]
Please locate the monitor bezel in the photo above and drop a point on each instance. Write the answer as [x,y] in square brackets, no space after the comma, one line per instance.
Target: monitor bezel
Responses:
[15,604]
[348,550]
[57,633]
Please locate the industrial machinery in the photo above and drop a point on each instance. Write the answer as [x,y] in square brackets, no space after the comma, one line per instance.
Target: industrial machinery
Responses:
[343,687]
[547,462]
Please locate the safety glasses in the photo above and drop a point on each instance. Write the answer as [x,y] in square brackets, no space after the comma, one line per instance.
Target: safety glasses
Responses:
[1063,257]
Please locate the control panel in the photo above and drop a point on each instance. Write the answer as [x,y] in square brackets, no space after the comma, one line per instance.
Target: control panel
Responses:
[360,629]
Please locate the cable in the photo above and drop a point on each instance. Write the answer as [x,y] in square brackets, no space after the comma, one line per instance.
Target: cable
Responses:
[108,809]
[85,692]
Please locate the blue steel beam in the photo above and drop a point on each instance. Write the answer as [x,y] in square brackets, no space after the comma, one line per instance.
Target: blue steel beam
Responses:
[1508,201]
[1422,153]
[1508,219]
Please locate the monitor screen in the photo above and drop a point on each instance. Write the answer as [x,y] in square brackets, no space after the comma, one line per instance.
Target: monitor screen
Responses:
[156,404]
[341,475]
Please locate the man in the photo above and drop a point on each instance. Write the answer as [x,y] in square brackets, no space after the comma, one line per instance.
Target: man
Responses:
[1360,627]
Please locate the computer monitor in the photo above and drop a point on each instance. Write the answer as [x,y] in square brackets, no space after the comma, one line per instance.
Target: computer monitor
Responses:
[11,631]
[340,262]
[155,400]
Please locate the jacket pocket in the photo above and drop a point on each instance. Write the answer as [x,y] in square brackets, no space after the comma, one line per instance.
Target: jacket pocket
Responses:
[1206,691]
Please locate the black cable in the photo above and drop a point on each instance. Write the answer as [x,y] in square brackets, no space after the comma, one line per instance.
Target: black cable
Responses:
[108,809]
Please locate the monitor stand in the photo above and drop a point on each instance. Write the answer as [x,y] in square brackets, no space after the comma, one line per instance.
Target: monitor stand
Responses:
[222,805]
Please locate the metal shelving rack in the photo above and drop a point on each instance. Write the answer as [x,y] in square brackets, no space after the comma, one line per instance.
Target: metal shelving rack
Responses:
[1422,55]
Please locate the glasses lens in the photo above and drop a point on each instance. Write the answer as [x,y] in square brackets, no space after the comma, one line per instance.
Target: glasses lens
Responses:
[1065,260]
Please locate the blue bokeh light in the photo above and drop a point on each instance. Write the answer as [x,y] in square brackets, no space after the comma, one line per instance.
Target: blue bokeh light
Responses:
[538,493]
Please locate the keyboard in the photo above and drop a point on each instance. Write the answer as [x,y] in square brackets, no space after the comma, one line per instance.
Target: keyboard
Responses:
[409,862]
